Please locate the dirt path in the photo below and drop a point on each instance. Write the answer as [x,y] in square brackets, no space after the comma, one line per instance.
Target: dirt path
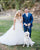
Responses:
[7,15]
[6,18]
[4,47]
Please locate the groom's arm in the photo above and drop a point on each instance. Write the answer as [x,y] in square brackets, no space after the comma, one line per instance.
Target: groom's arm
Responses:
[24,20]
[31,19]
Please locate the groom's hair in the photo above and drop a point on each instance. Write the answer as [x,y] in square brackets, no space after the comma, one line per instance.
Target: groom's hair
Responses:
[26,8]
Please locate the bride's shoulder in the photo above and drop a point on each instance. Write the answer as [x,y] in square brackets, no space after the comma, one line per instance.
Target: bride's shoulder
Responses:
[14,18]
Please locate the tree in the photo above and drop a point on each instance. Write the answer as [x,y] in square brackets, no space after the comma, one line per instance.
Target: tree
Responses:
[18,3]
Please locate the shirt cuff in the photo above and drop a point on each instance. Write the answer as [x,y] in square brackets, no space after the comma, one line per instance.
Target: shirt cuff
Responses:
[24,23]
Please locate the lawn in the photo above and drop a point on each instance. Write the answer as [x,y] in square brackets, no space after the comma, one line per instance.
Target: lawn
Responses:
[6,24]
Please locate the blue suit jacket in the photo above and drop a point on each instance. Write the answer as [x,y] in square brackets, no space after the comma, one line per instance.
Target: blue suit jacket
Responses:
[28,19]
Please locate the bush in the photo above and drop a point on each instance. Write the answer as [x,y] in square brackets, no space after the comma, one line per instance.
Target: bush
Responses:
[27,4]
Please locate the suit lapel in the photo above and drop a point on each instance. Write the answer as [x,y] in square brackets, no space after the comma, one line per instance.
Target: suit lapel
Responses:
[25,15]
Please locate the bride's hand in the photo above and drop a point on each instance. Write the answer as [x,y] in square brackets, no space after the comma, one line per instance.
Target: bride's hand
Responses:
[14,28]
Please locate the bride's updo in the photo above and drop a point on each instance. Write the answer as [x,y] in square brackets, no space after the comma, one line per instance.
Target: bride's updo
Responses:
[18,13]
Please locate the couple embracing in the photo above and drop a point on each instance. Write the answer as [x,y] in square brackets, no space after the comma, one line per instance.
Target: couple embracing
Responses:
[15,35]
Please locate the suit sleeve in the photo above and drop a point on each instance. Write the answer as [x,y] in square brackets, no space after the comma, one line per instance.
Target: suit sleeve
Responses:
[31,19]
[23,19]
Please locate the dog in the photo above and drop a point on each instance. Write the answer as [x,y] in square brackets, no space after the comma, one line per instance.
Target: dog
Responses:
[27,40]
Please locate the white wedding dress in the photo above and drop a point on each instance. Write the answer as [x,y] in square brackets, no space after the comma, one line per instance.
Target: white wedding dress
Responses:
[14,37]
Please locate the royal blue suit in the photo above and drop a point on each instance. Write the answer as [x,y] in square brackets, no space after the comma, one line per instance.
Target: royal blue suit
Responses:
[27,20]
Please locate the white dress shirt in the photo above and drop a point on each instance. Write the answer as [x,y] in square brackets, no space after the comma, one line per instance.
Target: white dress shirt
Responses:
[27,14]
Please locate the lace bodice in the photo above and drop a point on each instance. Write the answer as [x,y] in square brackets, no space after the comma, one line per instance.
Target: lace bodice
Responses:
[18,20]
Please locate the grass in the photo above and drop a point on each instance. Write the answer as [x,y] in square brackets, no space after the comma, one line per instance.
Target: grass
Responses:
[6,24]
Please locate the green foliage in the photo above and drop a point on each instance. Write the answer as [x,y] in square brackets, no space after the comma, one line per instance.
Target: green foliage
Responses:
[18,4]
[28,4]
[7,4]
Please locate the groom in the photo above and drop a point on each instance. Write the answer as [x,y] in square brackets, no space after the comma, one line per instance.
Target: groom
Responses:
[27,21]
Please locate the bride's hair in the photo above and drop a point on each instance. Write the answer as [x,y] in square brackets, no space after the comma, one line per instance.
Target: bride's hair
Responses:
[16,15]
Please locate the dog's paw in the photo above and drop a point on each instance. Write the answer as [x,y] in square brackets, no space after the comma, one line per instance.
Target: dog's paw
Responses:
[27,45]
[31,45]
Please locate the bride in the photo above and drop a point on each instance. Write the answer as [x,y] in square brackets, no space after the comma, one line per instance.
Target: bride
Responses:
[15,35]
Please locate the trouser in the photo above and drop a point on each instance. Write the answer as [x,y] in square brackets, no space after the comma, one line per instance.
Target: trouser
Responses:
[29,30]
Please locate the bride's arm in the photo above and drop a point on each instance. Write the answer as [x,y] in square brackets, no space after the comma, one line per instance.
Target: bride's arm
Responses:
[22,22]
[14,23]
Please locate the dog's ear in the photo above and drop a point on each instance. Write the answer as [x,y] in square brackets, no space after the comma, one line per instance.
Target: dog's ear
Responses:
[28,33]
[25,32]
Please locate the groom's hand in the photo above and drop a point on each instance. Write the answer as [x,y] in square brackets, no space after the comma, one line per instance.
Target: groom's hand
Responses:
[14,28]
[29,24]
[25,24]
